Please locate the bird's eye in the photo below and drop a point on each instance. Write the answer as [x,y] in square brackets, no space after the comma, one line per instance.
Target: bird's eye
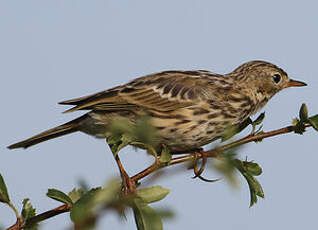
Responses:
[276,78]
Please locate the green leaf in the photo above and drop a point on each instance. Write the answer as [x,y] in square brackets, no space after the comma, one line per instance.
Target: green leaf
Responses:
[299,127]
[257,122]
[165,155]
[123,133]
[146,218]
[314,121]
[295,121]
[229,132]
[108,194]
[27,212]
[145,132]
[119,127]
[75,194]
[259,119]
[117,142]
[165,213]
[225,166]
[232,130]
[255,188]
[4,196]
[85,210]
[82,208]
[303,112]
[152,194]
[252,168]
[59,196]
[249,170]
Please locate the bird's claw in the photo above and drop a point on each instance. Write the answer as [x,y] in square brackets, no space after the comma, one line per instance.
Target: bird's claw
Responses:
[197,154]
[198,172]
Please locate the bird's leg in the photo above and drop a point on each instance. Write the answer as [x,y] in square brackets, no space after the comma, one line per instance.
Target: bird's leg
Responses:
[129,185]
[198,172]
[196,153]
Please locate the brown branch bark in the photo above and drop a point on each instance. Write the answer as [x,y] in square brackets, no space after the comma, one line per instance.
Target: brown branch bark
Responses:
[214,153]
[38,218]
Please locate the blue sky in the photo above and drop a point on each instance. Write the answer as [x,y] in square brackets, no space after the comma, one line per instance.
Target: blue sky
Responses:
[56,50]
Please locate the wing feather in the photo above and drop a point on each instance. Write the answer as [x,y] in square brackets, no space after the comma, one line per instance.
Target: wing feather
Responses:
[169,90]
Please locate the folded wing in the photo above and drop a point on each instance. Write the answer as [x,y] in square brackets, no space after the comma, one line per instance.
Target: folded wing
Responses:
[163,91]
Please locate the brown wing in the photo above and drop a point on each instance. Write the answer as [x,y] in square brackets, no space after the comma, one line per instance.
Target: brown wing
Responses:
[163,91]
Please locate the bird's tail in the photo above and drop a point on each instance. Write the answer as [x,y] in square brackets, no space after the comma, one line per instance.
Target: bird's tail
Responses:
[58,131]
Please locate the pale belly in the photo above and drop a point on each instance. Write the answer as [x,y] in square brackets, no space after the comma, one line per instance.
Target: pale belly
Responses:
[190,135]
[179,131]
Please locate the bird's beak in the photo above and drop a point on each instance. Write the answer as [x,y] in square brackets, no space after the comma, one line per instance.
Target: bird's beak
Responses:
[294,83]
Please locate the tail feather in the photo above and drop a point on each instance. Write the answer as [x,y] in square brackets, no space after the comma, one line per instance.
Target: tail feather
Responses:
[58,131]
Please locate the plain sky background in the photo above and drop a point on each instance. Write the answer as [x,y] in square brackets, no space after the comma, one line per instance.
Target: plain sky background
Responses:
[56,50]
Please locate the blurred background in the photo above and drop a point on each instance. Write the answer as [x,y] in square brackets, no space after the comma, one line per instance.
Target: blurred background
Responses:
[56,50]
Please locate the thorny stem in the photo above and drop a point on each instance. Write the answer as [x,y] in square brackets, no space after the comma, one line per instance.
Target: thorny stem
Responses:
[214,153]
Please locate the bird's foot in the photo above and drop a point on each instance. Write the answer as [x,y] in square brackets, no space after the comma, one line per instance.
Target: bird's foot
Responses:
[200,153]
[198,172]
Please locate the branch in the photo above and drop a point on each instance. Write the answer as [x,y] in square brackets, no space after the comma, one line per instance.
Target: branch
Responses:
[214,153]
[40,217]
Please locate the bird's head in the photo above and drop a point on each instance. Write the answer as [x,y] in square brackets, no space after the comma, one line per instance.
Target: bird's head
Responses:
[264,78]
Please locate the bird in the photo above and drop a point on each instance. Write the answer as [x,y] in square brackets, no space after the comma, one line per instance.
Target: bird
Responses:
[188,108]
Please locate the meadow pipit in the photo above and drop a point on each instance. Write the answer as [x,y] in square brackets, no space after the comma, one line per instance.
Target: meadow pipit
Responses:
[189,109]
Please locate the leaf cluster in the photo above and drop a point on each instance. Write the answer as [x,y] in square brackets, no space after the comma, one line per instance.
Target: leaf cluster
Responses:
[85,207]
[300,123]
[228,164]
[249,170]
[27,211]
